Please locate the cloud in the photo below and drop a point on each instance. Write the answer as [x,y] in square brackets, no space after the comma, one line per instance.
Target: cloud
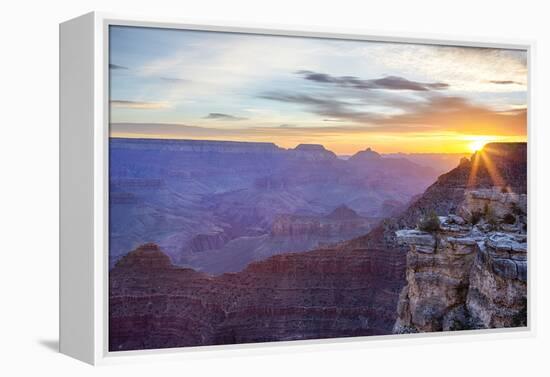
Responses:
[331,108]
[116,66]
[463,68]
[457,114]
[221,116]
[291,131]
[174,80]
[388,82]
[166,130]
[504,82]
[399,83]
[303,99]
[124,104]
[433,112]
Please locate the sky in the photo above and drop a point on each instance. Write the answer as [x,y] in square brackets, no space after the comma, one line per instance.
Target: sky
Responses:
[346,95]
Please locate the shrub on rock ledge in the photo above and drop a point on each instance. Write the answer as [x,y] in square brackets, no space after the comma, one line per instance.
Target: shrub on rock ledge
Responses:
[430,223]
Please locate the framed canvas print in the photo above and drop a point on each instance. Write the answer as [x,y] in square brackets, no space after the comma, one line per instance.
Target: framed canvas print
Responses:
[225,186]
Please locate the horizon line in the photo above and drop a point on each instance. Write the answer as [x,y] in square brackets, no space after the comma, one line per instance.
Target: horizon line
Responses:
[298,144]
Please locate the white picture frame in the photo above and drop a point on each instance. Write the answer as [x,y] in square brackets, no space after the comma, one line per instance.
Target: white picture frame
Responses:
[84,126]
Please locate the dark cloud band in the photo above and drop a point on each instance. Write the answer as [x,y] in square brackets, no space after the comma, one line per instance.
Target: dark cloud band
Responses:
[388,82]
[504,82]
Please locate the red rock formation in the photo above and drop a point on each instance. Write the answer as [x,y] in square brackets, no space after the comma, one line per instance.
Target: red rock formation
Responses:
[318,294]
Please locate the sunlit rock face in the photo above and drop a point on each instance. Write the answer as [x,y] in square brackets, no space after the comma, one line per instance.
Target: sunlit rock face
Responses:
[438,274]
[509,207]
[497,295]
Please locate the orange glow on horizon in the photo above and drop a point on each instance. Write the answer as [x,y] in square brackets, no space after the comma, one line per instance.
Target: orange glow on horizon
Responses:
[350,144]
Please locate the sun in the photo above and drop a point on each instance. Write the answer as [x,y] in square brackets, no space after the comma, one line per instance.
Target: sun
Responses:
[477,144]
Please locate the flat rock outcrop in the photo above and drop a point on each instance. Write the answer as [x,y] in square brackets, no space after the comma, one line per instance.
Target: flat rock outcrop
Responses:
[312,152]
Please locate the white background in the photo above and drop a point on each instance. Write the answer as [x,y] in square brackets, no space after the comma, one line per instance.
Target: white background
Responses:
[29,187]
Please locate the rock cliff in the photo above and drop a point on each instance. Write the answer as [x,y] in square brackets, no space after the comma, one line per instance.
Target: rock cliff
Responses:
[470,271]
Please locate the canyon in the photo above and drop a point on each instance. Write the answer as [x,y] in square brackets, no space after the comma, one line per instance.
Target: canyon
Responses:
[215,206]
[398,277]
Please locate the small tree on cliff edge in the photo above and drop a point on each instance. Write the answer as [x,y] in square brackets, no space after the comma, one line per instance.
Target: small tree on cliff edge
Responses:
[430,223]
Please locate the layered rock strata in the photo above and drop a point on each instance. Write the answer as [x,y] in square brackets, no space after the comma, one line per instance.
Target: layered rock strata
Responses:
[470,273]
[312,295]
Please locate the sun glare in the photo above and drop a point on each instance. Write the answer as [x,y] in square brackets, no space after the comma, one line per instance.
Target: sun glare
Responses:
[476,145]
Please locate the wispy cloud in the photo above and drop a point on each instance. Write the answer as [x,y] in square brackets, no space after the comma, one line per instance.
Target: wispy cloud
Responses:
[333,108]
[222,116]
[116,66]
[124,104]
